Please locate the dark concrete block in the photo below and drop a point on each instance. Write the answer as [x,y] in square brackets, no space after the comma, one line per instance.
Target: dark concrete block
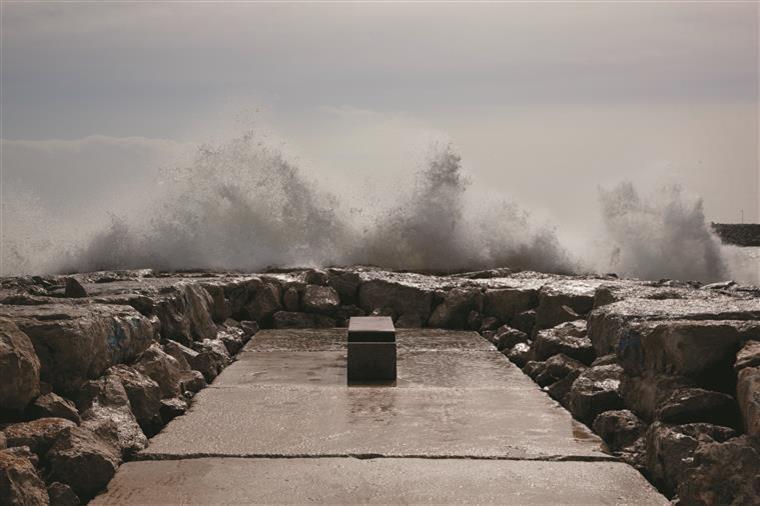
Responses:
[369,329]
[371,362]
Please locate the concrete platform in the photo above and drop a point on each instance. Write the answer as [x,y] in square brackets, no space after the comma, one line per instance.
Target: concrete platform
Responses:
[461,424]
[377,481]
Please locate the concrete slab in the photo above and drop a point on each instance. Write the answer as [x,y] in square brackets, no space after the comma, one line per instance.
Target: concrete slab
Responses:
[335,340]
[291,420]
[378,481]
[443,369]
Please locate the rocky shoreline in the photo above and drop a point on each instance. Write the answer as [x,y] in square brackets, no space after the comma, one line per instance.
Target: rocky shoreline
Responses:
[667,373]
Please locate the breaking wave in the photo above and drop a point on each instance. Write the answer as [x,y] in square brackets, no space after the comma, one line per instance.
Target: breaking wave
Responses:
[242,205]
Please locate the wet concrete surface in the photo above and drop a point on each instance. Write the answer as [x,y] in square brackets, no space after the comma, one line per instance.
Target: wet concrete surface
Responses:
[461,424]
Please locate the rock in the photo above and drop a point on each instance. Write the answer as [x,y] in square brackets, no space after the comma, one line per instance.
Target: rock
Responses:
[748,356]
[19,368]
[320,299]
[644,394]
[37,435]
[506,337]
[52,405]
[220,310]
[595,391]
[74,289]
[212,357]
[563,301]
[77,342]
[506,303]
[106,411]
[291,300]
[518,354]
[253,299]
[409,321]
[525,321]
[605,360]
[619,428]
[232,338]
[399,297]
[81,460]
[489,323]
[3,442]
[288,320]
[26,453]
[249,328]
[19,482]
[62,495]
[172,408]
[192,381]
[635,455]
[181,353]
[687,405]
[185,311]
[723,473]
[748,396]
[346,283]
[560,389]
[316,277]
[456,306]
[161,368]
[475,320]
[670,450]
[567,338]
[557,367]
[144,397]
[534,369]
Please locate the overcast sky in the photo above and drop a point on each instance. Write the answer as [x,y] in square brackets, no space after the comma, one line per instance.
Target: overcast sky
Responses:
[544,101]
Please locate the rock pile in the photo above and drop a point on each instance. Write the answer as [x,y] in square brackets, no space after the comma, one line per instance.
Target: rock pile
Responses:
[666,373]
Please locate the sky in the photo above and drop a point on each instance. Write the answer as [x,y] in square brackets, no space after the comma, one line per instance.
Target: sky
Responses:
[545,102]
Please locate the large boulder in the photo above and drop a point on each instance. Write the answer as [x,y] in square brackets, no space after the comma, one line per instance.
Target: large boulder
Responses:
[506,337]
[161,368]
[74,289]
[83,461]
[506,303]
[748,356]
[401,298]
[723,473]
[456,306]
[670,450]
[75,343]
[688,405]
[19,368]
[212,356]
[256,298]
[290,320]
[595,391]
[518,354]
[37,435]
[144,397]
[62,495]
[320,299]
[220,310]
[346,283]
[557,368]
[619,428]
[52,405]
[567,338]
[19,483]
[185,311]
[564,301]
[644,394]
[748,395]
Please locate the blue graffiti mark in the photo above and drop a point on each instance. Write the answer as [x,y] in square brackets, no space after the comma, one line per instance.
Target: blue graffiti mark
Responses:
[116,340]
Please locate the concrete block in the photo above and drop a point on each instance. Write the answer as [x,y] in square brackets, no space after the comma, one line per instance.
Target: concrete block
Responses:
[366,329]
[371,362]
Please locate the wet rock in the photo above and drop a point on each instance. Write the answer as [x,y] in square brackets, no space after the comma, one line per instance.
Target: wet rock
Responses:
[400,298]
[644,394]
[619,428]
[670,450]
[37,435]
[180,353]
[106,411]
[687,405]
[474,320]
[525,321]
[518,354]
[346,283]
[320,299]
[19,482]
[254,299]
[605,360]
[172,408]
[635,455]
[161,368]
[567,338]
[316,277]
[220,311]
[456,306]
[723,473]
[291,299]
[232,338]
[19,368]
[211,359]
[560,389]
[52,405]
[81,460]
[748,396]
[288,320]
[192,381]
[562,302]
[74,289]
[249,328]
[595,391]
[144,397]
[62,495]
[489,323]
[534,369]
[506,337]
[506,303]
[748,356]
[184,310]
[77,342]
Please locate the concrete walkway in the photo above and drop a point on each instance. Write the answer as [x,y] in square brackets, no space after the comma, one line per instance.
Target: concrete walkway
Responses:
[461,425]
